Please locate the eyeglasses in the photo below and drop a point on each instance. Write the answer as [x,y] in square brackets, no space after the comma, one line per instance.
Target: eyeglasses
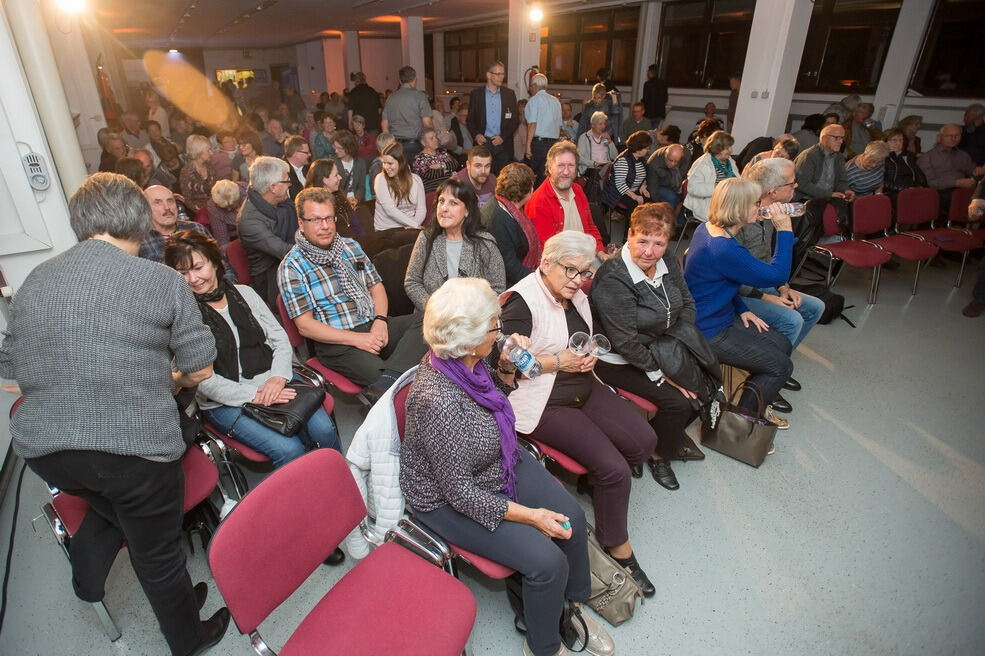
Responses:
[571,272]
[320,219]
[287,182]
[789,184]
[498,328]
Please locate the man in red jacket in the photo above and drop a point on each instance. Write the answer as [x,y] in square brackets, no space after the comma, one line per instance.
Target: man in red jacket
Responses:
[560,204]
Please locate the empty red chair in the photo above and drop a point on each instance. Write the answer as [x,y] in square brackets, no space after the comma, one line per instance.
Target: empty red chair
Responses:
[958,214]
[337,380]
[239,262]
[851,252]
[430,200]
[919,205]
[391,602]
[874,214]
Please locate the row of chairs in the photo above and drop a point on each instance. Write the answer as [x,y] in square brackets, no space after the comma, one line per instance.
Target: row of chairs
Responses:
[873,215]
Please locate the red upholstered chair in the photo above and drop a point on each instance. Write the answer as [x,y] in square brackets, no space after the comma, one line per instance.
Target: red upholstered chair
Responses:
[391,602]
[919,205]
[958,214]
[874,214]
[239,262]
[336,379]
[646,406]
[429,200]
[852,252]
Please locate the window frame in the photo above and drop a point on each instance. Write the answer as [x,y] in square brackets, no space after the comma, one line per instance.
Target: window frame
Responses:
[935,30]
[499,44]
[705,29]
[580,37]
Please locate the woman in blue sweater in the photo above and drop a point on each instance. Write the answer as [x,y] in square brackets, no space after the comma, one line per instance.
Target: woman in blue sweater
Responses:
[717,265]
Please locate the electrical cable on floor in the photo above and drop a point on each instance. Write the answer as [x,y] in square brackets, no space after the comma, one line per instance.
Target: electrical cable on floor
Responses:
[10,546]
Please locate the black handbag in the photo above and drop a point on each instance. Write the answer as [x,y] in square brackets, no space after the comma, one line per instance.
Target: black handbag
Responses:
[288,418]
[738,435]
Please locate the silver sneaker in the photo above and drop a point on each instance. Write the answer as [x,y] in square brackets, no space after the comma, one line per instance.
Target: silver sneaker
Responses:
[599,643]
[562,651]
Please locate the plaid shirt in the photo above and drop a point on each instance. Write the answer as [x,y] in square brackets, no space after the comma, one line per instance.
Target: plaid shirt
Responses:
[308,287]
[153,246]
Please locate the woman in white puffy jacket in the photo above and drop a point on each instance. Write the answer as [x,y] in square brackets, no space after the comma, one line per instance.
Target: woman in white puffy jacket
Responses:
[707,171]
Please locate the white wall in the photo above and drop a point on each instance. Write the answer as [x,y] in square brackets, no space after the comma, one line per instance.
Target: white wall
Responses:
[334,63]
[381,59]
[259,59]
[311,71]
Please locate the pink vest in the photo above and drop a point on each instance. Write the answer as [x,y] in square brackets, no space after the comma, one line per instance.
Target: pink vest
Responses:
[549,335]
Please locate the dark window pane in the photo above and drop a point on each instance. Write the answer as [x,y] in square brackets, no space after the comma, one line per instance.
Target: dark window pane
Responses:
[732,10]
[543,58]
[595,22]
[626,19]
[593,57]
[623,55]
[487,34]
[486,57]
[685,13]
[453,66]
[853,57]
[683,55]
[562,66]
[470,71]
[564,25]
[725,53]
[451,38]
[948,65]
[467,37]
[856,6]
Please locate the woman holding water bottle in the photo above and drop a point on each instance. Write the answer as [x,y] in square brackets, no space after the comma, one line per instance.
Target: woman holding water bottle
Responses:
[566,406]
[466,477]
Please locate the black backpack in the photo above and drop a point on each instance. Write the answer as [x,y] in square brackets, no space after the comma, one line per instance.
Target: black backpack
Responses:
[834,304]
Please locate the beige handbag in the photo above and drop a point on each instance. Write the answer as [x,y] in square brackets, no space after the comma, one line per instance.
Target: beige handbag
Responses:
[614,591]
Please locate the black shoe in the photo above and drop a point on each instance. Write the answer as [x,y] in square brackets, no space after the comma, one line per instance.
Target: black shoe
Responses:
[663,474]
[376,390]
[201,593]
[636,470]
[336,557]
[792,385]
[212,631]
[688,450]
[780,404]
[637,573]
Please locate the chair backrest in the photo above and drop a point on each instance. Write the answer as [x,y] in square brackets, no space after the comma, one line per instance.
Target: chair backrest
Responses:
[391,264]
[872,214]
[400,408]
[239,261]
[293,335]
[829,221]
[281,532]
[960,199]
[917,205]
[429,200]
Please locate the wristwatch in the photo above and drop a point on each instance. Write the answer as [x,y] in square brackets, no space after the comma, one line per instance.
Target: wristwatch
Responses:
[380,317]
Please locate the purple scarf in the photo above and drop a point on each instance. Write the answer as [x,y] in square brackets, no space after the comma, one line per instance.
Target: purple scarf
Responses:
[479,386]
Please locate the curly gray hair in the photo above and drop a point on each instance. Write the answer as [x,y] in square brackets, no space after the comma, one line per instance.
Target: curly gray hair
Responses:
[457,316]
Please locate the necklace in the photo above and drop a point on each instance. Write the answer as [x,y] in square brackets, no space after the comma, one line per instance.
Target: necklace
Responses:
[666,305]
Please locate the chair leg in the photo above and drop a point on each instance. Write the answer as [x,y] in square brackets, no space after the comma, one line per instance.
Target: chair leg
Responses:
[874,287]
[916,278]
[827,277]
[841,268]
[109,626]
[964,260]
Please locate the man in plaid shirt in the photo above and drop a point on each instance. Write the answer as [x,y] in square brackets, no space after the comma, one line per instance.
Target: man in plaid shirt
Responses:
[336,298]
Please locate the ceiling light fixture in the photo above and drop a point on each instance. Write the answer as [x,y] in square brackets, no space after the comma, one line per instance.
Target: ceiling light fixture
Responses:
[72,6]
[536,14]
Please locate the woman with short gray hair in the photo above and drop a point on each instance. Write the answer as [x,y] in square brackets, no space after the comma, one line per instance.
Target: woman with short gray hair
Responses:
[98,419]
[198,176]
[466,477]
[595,146]
[566,406]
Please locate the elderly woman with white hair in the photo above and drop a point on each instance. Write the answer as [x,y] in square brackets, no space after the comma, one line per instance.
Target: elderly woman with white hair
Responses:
[865,172]
[465,476]
[566,406]
[197,177]
[595,147]
[223,210]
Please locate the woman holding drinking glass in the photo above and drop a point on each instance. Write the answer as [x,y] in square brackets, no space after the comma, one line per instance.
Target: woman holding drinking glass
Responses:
[566,406]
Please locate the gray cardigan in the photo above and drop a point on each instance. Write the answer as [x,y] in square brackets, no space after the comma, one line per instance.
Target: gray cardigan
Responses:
[810,165]
[258,234]
[93,335]
[480,259]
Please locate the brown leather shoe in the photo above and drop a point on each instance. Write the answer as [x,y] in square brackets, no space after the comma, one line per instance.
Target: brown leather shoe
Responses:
[973,309]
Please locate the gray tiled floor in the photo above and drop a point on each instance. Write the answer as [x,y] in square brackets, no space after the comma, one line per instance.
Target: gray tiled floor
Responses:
[863,534]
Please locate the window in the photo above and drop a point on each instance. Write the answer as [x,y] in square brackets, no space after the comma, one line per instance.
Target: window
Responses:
[703,42]
[951,61]
[846,45]
[469,52]
[573,47]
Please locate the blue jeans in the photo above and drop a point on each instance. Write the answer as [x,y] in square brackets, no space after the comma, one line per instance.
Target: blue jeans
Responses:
[765,355]
[793,323]
[672,198]
[281,449]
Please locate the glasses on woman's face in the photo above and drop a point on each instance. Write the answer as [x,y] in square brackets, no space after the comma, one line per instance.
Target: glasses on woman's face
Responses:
[571,272]
[498,328]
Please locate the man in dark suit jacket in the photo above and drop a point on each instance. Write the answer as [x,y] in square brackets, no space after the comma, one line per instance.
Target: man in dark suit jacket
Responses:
[654,97]
[297,153]
[489,126]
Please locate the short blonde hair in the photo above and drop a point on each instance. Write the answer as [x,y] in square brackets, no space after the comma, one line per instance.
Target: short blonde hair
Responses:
[457,316]
[569,244]
[731,202]
[195,146]
[876,151]
[225,194]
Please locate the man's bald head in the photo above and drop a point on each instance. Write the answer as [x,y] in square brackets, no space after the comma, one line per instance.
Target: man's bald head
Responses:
[949,135]
[145,158]
[673,155]
[832,137]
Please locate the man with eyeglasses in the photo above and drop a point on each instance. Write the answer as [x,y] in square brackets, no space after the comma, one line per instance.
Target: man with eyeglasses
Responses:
[493,116]
[336,298]
[789,312]
[297,153]
[821,168]
[267,223]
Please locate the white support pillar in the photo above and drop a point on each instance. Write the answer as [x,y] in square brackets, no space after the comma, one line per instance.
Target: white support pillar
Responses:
[412,46]
[351,62]
[647,38]
[31,37]
[776,43]
[524,46]
[901,60]
[438,52]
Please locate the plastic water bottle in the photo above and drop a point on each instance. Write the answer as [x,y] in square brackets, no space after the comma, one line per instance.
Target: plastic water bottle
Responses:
[791,209]
[524,360]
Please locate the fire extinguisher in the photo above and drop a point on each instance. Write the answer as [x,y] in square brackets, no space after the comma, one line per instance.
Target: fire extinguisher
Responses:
[111,110]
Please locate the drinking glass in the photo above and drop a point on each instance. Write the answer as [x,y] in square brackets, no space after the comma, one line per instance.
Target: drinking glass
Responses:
[580,343]
[599,345]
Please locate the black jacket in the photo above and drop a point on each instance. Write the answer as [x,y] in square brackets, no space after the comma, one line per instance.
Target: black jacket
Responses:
[902,173]
[654,99]
[477,115]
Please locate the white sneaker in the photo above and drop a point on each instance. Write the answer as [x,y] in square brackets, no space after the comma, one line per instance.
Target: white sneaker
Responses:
[562,651]
[599,643]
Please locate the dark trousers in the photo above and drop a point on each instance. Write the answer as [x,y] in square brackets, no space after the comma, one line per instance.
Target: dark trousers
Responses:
[606,436]
[538,160]
[552,570]
[501,154]
[978,292]
[765,355]
[411,148]
[674,412]
[265,284]
[139,501]
[404,350]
